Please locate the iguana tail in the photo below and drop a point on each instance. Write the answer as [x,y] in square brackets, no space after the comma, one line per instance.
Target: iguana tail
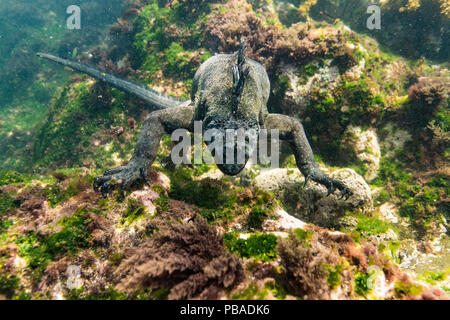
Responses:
[152,97]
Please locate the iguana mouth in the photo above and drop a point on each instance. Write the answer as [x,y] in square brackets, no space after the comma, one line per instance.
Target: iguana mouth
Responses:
[230,169]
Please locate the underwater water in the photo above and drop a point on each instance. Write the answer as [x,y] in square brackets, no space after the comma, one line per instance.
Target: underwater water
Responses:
[353,204]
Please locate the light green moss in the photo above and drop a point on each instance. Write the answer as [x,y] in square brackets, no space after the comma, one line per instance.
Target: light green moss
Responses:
[403,289]
[334,275]
[252,292]
[260,246]
[277,289]
[361,283]
[39,251]
[134,211]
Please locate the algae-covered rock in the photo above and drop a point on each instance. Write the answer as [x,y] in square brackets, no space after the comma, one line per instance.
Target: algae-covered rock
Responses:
[310,202]
[118,248]
[389,212]
[283,221]
[364,147]
[302,81]
[393,138]
[275,180]
[328,208]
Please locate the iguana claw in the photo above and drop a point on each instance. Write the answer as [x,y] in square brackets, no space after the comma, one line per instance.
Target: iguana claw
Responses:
[306,181]
[144,176]
[330,189]
[346,193]
[121,177]
[105,189]
[330,184]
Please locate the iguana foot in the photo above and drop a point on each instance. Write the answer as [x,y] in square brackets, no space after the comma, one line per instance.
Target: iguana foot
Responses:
[122,177]
[336,184]
[330,184]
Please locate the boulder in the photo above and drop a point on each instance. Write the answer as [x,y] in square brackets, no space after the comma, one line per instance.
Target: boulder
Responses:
[310,203]
[300,87]
[392,139]
[362,145]
[389,212]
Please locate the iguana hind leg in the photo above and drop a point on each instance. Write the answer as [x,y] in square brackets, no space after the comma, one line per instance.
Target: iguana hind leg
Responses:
[137,170]
[291,131]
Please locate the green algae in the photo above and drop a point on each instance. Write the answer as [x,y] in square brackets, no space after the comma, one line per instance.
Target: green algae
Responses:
[5,224]
[403,289]
[277,289]
[40,251]
[206,193]
[163,200]
[305,236]
[334,275]
[259,246]
[179,61]
[252,292]
[218,200]
[155,49]
[8,285]
[107,294]
[433,277]
[367,225]
[382,197]
[134,211]
[361,283]
[256,217]
[10,177]
[56,194]
[372,225]
[7,203]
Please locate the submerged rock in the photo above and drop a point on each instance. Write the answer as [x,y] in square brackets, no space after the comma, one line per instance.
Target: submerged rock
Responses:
[363,145]
[283,221]
[389,212]
[274,180]
[321,75]
[393,138]
[311,203]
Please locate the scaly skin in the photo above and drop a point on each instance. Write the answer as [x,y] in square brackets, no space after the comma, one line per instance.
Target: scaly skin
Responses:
[221,102]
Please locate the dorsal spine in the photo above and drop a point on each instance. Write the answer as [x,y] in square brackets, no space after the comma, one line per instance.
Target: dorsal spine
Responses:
[240,73]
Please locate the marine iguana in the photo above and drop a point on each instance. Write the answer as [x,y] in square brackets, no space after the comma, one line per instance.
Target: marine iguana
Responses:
[229,91]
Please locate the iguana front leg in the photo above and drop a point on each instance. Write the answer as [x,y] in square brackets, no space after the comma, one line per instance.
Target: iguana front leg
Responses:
[291,131]
[137,170]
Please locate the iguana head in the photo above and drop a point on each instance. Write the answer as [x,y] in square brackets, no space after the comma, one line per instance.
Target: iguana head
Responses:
[239,130]
[232,143]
